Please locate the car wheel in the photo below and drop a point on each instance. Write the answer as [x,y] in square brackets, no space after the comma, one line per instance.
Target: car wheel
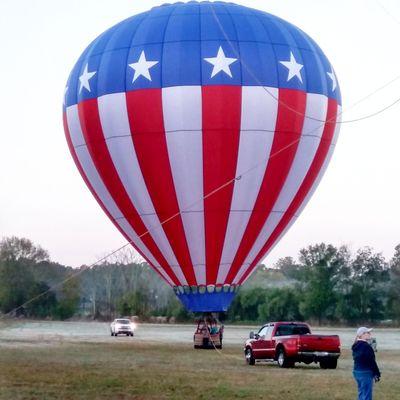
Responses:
[333,364]
[283,361]
[328,364]
[250,360]
[112,334]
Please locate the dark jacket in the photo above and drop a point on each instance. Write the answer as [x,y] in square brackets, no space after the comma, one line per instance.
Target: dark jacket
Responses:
[364,358]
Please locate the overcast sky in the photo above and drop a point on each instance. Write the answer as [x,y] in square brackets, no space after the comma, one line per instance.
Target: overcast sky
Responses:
[44,198]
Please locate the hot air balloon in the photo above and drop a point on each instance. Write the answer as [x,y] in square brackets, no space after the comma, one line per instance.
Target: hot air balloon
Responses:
[202,129]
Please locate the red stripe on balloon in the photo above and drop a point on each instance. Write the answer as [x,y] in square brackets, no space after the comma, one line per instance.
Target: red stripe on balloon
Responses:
[221,110]
[94,138]
[288,129]
[311,176]
[148,135]
[89,185]
[83,175]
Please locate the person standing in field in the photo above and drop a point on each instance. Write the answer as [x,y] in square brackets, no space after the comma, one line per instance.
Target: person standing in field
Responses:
[366,370]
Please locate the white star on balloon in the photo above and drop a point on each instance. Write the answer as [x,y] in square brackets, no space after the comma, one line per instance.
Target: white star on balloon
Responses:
[84,79]
[221,63]
[334,81]
[142,66]
[293,67]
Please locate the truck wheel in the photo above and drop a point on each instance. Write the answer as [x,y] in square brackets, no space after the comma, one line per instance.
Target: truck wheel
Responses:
[328,364]
[283,362]
[250,360]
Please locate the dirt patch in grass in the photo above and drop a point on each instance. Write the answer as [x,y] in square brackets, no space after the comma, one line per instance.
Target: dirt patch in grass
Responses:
[137,370]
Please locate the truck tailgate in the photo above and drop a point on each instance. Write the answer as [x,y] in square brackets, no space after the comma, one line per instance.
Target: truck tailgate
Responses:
[330,343]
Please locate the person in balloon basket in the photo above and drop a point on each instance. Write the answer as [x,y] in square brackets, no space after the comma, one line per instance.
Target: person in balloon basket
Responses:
[366,370]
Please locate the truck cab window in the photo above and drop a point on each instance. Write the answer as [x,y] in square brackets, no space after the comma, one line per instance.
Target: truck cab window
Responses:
[262,332]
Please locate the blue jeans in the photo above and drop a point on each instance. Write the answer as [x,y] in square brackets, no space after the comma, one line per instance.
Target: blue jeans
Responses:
[365,383]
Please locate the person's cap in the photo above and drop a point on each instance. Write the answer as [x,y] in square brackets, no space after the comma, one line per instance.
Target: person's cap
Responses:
[362,330]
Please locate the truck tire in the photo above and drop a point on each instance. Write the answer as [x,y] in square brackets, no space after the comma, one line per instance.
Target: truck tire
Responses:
[328,364]
[248,354]
[283,361]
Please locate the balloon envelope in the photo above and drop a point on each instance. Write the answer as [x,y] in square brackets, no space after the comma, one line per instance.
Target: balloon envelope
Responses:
[202,129]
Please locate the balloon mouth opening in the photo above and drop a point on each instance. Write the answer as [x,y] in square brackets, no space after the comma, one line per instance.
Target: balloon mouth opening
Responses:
[202,289]
[206,298]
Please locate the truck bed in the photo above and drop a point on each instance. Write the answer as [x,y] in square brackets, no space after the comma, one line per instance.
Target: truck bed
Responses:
[312,342]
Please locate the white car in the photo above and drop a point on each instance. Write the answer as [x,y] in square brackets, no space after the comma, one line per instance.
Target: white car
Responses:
[122,325]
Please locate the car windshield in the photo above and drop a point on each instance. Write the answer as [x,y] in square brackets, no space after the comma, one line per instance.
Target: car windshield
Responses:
[123,321]
[292,329]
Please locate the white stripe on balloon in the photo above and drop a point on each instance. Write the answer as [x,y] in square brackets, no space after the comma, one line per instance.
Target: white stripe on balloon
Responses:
[258,120]
[97,184]
[183,126]
[316,108]
[115,124]
[309,194]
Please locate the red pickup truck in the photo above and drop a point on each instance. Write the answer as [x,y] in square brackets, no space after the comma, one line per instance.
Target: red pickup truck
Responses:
[290,342]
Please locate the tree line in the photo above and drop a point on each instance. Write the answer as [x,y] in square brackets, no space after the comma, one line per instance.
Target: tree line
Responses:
[325,285]
[33,286]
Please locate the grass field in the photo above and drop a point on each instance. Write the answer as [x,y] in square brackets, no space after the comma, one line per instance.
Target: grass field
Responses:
[137,370]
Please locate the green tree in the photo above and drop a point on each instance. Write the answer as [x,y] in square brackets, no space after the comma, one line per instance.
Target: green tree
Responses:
[369,280]
[44,303]
[394,287]
[321,273]
[178,311]
[16,281]
[21,249]
[69,299]
[245,305]
[135,303]
[289,268]
[281,304]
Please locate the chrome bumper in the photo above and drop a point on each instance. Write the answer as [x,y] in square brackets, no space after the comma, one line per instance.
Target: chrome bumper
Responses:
[318,354]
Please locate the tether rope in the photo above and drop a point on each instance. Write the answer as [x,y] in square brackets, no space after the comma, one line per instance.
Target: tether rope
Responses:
[387,12]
